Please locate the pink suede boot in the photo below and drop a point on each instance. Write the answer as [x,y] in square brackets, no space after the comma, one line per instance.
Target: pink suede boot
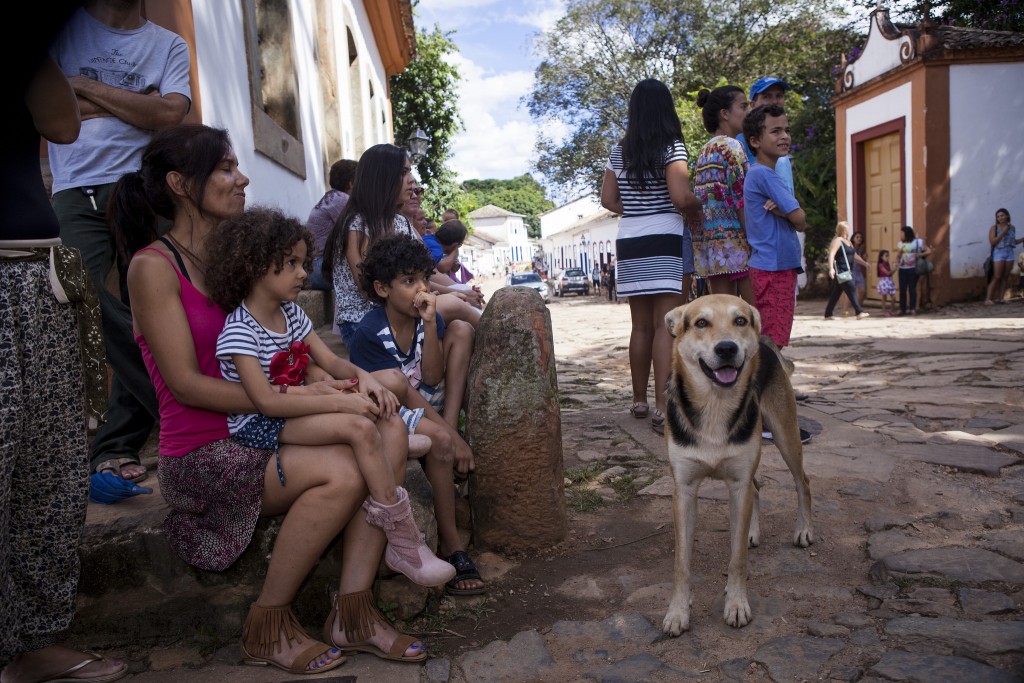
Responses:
[406,553]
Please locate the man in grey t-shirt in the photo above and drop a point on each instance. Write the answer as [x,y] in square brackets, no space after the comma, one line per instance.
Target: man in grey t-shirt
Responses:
[131,78]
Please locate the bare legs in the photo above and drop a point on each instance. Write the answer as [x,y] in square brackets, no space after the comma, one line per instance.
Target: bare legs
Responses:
[997,287]
[322,497]
[458,348]
[453,308]
[650,341]
[722,284]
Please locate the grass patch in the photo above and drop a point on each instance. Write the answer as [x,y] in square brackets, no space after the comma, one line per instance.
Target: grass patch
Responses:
[627,486]
[583,499]
[584,473]
[580,496]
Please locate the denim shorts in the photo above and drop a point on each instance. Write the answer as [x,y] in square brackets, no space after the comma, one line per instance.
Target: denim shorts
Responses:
[1002,254]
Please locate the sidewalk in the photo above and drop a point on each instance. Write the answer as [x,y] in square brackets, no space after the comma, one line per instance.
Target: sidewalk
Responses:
[917,475]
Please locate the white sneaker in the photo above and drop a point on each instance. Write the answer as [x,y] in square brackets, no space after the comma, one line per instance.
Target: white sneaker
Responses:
[862,315]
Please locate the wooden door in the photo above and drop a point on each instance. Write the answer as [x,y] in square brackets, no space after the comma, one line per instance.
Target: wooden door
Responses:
[883,201]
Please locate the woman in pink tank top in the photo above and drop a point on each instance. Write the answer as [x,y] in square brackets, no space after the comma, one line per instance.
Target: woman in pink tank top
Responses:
[216,488]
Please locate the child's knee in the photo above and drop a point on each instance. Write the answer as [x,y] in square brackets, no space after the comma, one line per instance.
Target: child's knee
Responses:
[461,330]
[393,380]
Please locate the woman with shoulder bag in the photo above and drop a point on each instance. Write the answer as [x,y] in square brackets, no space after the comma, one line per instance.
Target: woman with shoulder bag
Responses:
[908,250]
[840,270]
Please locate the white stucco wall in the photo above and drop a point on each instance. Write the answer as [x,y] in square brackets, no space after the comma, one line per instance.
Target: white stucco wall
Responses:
[883,108]
[224,84]
[986,158]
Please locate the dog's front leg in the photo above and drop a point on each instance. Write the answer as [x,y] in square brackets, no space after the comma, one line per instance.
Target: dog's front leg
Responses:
[684,504]
[741,502]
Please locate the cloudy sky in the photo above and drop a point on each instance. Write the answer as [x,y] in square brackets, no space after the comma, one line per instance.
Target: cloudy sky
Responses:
[495,40]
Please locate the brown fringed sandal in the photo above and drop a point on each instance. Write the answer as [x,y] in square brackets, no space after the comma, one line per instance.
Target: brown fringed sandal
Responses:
[261,639]
[358,617]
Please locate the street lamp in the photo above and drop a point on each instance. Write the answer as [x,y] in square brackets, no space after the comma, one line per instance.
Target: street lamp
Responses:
[417,143]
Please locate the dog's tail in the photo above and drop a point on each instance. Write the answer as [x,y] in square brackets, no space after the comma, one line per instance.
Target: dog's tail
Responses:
[787,364]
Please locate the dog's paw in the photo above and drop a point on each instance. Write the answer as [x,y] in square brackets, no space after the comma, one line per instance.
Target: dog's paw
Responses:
[737,611]
[803,537]
[676,621]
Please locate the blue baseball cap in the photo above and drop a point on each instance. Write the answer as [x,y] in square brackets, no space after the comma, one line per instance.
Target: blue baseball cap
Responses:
[765,82]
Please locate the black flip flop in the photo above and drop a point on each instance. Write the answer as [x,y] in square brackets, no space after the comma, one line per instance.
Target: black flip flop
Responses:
[465,570]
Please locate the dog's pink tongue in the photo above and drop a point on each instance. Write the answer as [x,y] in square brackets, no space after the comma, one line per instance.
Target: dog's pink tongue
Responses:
[726,375]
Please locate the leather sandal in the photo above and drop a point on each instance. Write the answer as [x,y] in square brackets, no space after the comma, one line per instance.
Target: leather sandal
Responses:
[358,617]
[115,464]
[658,422]
[261,640]
[639,410]
[465,570]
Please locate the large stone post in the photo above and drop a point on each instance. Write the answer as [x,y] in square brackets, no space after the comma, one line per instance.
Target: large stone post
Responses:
[515,428]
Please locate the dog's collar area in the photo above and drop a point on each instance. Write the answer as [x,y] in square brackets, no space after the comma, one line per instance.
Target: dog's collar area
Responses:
[724,376]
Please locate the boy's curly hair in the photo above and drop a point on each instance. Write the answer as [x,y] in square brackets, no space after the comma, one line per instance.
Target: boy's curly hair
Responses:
[392,256]
[242,249]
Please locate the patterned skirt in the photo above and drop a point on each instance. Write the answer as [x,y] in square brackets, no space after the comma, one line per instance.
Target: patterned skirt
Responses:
[215,493]
[653,264]
[886,286]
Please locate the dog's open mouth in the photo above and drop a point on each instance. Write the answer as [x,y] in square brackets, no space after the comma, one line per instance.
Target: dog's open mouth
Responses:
[724,376]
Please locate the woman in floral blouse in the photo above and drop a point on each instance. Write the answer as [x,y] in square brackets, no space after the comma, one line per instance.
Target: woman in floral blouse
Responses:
[720,242]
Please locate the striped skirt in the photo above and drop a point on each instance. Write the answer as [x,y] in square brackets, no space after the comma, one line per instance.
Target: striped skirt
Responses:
[652,264]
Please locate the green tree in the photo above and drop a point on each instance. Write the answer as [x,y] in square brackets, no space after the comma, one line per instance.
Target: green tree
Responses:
[424,96]
[1000,15]
[522,195]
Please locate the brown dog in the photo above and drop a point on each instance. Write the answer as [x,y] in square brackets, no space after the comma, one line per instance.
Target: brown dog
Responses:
[724,379]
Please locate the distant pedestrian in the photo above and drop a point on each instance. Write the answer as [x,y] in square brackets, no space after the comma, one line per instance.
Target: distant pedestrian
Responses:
[1003,238]
[907,252]
[886,287]
[859,273]
[842,259]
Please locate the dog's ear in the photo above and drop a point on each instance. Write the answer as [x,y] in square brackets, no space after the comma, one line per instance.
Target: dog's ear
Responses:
[755,319]
[674,318]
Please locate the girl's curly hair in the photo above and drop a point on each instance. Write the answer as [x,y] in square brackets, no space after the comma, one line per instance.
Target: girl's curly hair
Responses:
[242,249]
[390,257]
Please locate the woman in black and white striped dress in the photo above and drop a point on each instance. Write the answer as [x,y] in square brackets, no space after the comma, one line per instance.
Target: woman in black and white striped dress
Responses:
[646,180]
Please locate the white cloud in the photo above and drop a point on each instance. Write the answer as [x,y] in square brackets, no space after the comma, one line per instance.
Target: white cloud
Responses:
[499,136]
[542,15]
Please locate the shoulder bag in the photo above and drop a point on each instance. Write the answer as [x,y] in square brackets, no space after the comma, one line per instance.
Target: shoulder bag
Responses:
[923,265]
[846,275]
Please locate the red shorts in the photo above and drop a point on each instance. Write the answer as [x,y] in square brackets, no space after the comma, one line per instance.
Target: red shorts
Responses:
[775,294]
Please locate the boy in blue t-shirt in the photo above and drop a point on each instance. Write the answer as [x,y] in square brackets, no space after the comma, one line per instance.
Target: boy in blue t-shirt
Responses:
[407,334]
[772,218]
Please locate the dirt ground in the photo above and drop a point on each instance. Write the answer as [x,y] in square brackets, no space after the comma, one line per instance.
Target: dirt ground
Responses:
[618,557]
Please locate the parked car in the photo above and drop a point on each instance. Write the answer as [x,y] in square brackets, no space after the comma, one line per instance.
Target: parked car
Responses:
[531,280]
[572,281]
